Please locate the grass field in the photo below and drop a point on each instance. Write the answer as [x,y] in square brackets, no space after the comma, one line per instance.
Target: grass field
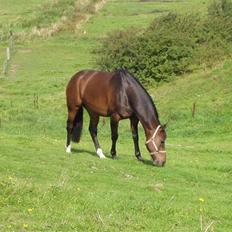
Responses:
[44,189]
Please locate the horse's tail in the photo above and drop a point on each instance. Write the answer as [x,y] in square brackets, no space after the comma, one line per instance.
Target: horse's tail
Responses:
[77,125]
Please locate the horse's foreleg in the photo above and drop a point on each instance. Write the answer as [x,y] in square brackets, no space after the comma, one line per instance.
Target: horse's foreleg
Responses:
[93,132]
[134,128]
[114,136]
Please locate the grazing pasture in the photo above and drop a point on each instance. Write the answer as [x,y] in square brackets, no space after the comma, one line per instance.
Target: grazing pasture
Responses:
[42,188]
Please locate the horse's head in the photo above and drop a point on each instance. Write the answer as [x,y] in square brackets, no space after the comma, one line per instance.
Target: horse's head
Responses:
[156,146]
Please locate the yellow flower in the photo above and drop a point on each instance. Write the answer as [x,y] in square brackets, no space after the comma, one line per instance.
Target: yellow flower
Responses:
[30,210]
[201,210]
[78,189]
[10,178]
[25,225]
[201,199]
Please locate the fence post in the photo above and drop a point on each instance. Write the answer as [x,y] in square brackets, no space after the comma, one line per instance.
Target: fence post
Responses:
[194,109]
[36,100]
[4,67]
[11,40]
[8,53]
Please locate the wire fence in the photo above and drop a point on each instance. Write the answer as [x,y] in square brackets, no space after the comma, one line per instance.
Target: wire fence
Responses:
[8,55]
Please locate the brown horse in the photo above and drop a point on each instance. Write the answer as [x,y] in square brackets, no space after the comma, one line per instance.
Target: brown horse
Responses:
[117,95]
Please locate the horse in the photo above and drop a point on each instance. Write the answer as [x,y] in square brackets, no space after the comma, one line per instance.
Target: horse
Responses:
[118,95]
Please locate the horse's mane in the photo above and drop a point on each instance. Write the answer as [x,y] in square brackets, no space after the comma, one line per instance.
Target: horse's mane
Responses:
[126,75]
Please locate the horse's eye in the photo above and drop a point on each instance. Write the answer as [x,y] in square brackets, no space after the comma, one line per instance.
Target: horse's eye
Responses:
[162,142]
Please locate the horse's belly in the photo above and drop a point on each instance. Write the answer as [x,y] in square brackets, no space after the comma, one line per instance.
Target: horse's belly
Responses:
[97,105]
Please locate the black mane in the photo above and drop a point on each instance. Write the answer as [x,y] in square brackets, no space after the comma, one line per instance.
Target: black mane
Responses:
[124,73]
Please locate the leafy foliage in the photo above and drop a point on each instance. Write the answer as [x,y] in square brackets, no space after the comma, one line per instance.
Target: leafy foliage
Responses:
[172,45]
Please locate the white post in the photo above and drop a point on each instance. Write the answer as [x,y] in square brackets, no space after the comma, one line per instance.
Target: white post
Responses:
[8,53]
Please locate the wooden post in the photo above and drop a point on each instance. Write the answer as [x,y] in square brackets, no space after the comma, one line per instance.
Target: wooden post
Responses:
[194,109]
[7,53]
[36,101]
[4,67]
[10,40]
[5,64]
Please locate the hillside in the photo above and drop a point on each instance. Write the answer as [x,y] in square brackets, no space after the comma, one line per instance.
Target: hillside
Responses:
[44,189]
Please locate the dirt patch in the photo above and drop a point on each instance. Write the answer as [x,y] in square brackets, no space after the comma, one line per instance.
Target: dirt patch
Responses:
[85,10]
[13,68]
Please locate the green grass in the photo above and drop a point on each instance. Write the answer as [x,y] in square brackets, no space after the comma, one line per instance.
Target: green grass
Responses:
[44,189]
[11,10]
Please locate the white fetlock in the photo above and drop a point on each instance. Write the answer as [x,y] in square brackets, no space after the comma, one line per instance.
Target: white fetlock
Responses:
[68,148]
[100,153]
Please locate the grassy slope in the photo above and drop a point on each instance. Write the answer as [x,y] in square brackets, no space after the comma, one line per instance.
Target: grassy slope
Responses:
[10,11]
[80,192]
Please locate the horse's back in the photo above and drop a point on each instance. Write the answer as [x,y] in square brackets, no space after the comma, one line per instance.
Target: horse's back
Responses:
[93,89]
[86,78]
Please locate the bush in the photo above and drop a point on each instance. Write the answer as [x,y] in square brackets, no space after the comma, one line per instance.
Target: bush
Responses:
[172,45]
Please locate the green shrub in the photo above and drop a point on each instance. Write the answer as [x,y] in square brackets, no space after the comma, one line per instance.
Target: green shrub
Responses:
[172,45]
[222,8]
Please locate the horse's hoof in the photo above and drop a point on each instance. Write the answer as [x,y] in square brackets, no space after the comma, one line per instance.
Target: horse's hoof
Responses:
[68,148]
[113,157]
[100,153]
[139,158]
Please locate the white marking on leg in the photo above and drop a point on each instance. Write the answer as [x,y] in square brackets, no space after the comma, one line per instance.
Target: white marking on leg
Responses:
[100,153]
[68,148]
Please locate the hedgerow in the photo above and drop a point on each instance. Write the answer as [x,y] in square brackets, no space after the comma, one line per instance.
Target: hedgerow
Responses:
[172,45]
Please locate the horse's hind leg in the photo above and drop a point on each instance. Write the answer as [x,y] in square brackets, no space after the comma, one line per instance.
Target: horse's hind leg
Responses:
[94,119]
[70,121]
[114,136]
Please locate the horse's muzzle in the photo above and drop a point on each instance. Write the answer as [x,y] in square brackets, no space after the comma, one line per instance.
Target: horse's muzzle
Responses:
[159,163]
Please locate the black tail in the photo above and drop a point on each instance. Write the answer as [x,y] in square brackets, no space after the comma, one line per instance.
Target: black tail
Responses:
[77,126]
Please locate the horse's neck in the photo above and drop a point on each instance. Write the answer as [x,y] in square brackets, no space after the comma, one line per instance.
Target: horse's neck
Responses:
[146,113]
[149,123]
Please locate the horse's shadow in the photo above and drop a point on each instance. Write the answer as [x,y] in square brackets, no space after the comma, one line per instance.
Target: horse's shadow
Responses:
[81,151]
[148,162]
